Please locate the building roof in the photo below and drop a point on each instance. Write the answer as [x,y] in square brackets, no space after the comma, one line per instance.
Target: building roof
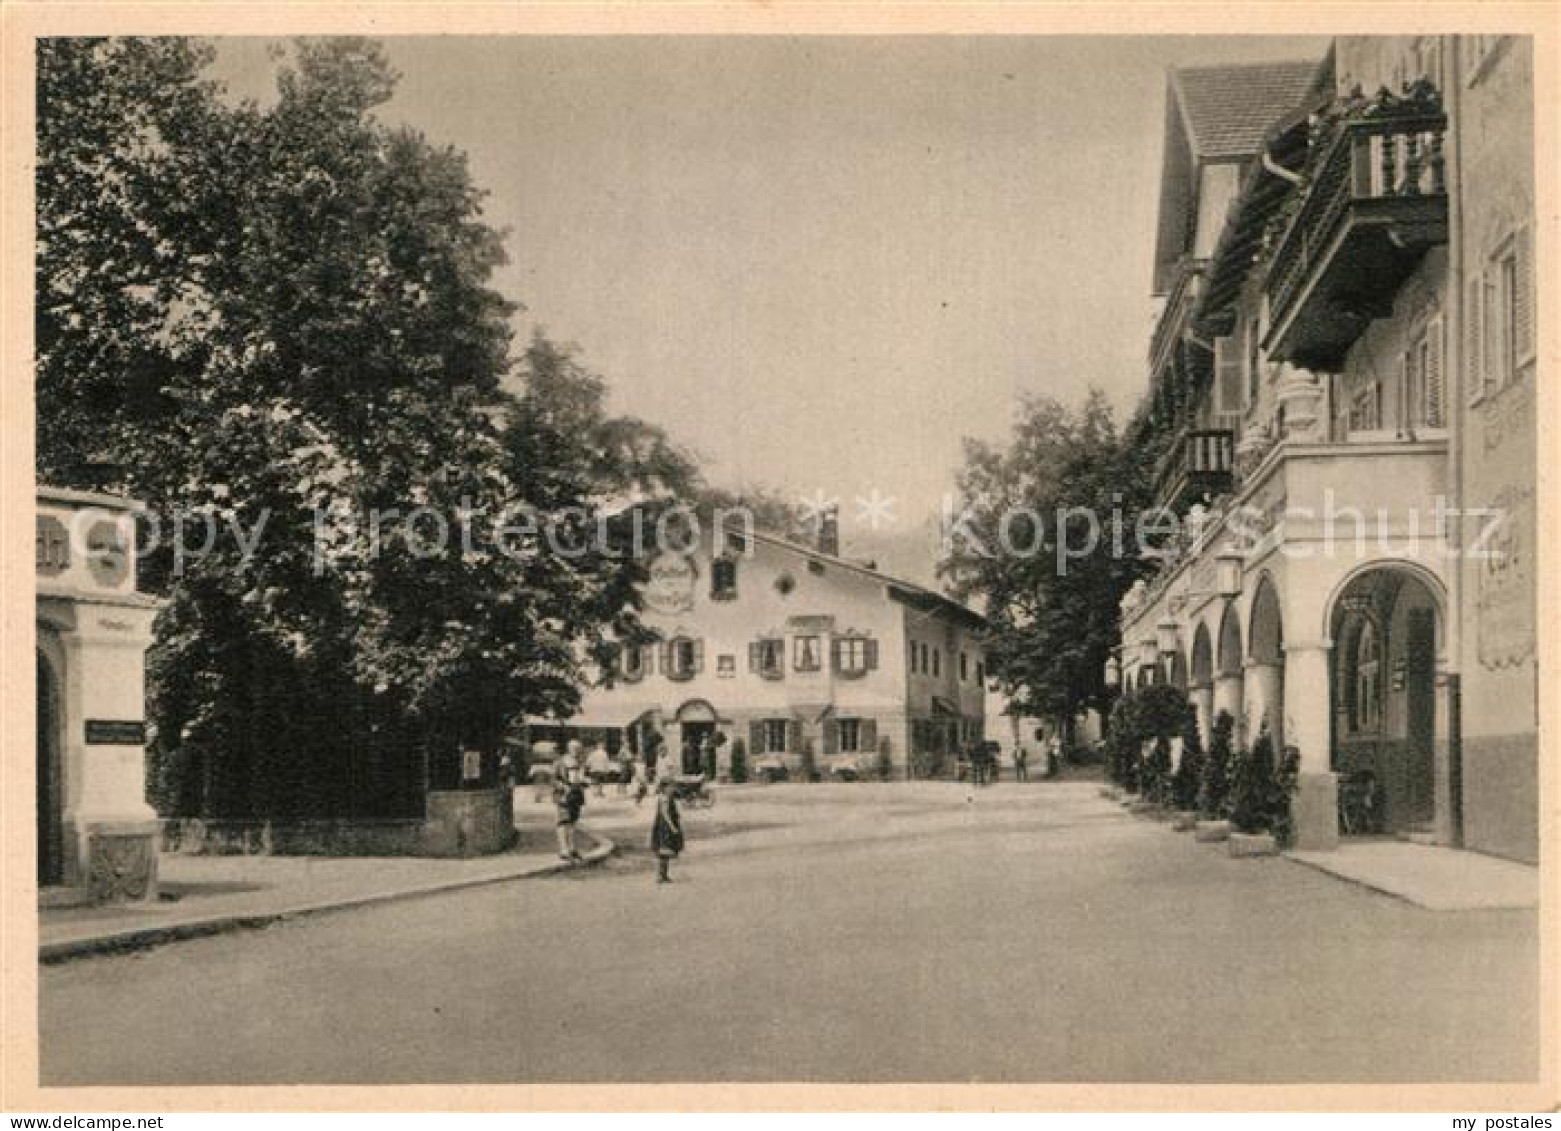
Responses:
[908,592]
[1227,110]
[1213,115]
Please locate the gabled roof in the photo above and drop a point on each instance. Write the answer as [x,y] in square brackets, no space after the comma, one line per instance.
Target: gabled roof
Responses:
[907,592]
[1216,114]
[1227,110]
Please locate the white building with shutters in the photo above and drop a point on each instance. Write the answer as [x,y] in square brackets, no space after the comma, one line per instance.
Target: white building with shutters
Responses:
[1343,383]
[800,656]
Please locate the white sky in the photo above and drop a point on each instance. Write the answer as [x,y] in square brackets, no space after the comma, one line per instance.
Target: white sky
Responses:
[820,262]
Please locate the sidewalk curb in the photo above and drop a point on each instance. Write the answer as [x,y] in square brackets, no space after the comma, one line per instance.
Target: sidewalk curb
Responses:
[1383,890]
[145,938]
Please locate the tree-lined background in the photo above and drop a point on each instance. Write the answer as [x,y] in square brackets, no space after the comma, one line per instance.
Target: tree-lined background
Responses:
[280,313]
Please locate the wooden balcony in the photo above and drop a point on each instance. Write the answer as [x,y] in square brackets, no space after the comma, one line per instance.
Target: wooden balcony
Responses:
[1196,469]
[1375,203]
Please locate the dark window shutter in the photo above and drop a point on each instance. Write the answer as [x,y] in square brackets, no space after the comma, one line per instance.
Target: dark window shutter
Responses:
[1473,341]
[834,653]
[793,736]
[867,735]
[871,655]
[756,737]
[1435,386]
[668,660]
[831,737]
[753,655]
[699,656]
[1523,296]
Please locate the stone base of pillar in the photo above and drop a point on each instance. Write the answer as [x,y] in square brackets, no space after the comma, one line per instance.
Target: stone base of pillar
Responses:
[1316,812]
[120,860]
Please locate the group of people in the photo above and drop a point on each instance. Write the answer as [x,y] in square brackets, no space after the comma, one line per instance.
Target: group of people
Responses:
[575,771]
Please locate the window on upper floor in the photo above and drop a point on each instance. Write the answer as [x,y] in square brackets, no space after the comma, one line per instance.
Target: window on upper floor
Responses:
[683,657]
[767,657]
[806,654]
[964,668]
[1366,408]
[854,655]
[723,579]
[633,662]
[1499,316]
[1424,385]
[937,661]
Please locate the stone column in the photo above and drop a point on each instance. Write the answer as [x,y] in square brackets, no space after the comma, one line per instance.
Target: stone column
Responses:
[1230,697]
[1202,696]
[1265,700]
[111,831]
[1308,703]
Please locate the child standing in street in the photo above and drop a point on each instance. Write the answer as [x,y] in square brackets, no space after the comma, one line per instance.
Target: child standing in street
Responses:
[666,835]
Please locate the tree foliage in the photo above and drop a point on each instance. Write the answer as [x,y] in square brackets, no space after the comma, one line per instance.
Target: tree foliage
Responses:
[1045,561]
[280,321]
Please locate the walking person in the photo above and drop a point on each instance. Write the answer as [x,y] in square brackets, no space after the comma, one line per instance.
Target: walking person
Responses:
[569,798]
[1021,763]
[666,835]
[598,763]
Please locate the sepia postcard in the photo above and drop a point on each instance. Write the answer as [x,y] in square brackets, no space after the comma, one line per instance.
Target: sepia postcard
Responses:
[755,557]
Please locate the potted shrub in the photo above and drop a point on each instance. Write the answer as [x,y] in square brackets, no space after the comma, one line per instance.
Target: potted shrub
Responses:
[1258,799]
[1214,789]
[1157,773]
[739,767]
[1188,778]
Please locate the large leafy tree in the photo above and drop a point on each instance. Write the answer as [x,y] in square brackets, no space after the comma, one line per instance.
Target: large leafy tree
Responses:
[1035,546]
[278,321]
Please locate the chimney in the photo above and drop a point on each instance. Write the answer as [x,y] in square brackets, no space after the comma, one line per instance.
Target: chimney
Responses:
[829,531]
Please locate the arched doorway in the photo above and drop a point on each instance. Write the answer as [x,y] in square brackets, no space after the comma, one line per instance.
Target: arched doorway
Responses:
[51,853]
[1386,624]
[1265,681]
[697,722]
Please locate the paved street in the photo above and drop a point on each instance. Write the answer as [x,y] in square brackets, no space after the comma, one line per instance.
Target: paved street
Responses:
[867,932]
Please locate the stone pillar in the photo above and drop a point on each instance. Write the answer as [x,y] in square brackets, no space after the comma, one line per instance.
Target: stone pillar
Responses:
[1265,700]
[1307,700]
[109,829]
[1202,696]
[1230,697]
[1443,825]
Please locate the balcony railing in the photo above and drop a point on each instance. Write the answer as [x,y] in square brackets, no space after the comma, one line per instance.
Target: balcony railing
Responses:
[1197,467]
[1377,200]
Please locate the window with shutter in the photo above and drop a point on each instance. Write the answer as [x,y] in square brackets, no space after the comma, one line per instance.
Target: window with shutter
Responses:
[831,737]
[871,654]
[756,737]
[793,736]
[1227,369]
[754,648]
[698,657]
[867,735]
[1523,297]
[1473,340]
[1435,410]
